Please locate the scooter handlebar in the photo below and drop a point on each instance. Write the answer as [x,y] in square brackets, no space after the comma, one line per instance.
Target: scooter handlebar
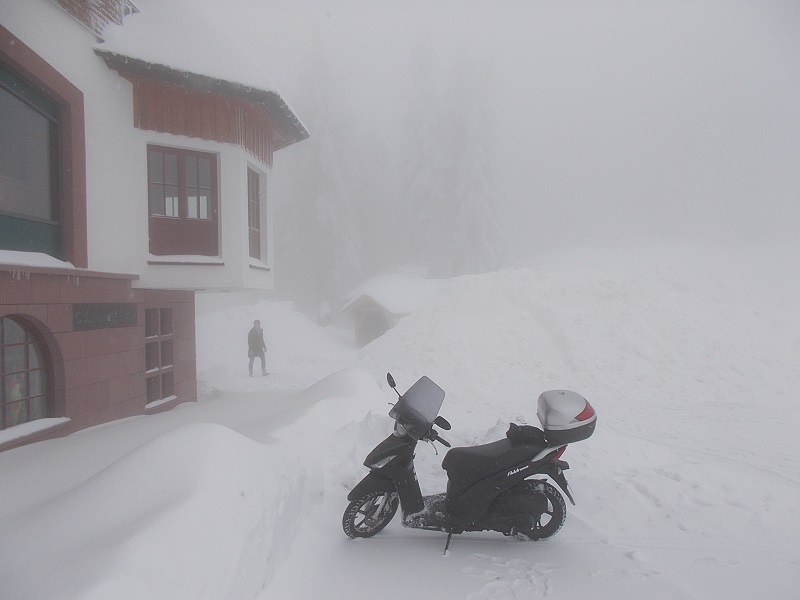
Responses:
[434,436]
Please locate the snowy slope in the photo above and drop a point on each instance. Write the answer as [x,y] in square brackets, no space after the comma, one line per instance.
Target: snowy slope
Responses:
[689,488]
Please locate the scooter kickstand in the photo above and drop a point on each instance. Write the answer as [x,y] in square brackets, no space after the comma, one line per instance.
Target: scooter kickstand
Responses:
[447,545]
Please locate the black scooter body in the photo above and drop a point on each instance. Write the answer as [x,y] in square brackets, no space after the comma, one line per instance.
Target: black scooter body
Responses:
[479,481]
[492,486]
[397,475]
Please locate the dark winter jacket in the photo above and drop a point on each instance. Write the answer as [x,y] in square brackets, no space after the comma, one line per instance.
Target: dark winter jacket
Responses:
[255,342]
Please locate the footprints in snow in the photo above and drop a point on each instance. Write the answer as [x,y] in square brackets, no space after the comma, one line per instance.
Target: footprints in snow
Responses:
[508,578]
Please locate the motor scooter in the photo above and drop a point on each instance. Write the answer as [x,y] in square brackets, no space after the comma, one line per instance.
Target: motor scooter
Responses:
[500,486]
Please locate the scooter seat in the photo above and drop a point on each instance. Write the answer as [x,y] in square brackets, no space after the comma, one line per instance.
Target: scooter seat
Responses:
[476,462]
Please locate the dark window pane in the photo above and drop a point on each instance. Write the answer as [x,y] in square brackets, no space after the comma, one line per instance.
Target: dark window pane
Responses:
[13,333]
[37,408]
[26,178]
[166,321]
[191,171]
[155,160]
[152,360]
[167,385]
[171,168]
[35,360]
[16,414]
[166,353]
[37,383]
[16,387]
[153,389]
[14,358]
[150,322]
[205,172]
[157,203]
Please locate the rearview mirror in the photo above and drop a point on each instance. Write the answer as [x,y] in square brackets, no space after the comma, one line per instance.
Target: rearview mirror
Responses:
[390,380]
[442,422]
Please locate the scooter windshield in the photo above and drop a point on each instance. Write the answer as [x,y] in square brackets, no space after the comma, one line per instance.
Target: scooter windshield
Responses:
[418,407]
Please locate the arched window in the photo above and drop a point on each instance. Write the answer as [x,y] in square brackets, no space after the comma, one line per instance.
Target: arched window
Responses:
[24,391]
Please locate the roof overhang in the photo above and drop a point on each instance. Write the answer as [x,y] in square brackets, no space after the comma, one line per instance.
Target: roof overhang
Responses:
[292,129]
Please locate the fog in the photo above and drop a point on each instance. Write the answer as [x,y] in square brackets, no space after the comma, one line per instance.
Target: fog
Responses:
[462,136]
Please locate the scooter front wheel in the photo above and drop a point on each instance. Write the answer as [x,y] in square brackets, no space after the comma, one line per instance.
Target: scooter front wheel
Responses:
[367,515]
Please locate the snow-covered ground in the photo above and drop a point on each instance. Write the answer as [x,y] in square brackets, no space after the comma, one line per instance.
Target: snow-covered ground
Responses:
[689,488]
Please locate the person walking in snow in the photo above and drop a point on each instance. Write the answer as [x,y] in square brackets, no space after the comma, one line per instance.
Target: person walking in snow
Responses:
[256,347]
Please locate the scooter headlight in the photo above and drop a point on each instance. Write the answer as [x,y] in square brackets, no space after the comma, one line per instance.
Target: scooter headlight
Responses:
[382,462]
[399,430]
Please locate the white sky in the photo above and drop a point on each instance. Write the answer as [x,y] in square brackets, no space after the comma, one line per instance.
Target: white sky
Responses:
[614,120]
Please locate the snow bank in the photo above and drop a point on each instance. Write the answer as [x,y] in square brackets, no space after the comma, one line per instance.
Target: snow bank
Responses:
[688,486]
[200,512]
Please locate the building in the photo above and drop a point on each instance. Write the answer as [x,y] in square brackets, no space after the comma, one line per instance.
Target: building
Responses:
[136,151]
[377,305]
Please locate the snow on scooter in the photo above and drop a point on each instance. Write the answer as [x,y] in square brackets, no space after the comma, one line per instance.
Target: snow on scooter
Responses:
[500,486]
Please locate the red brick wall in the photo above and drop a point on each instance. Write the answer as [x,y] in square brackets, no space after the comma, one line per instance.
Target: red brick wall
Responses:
[97,375]
[95,14]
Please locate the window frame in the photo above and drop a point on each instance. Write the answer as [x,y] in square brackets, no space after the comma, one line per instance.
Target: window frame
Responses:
[159,355]
[36,102]
[174,231]
[254,212]
[32,345]
[23,62]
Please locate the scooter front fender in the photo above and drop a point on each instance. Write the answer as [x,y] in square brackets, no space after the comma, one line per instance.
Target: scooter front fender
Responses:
[371,483]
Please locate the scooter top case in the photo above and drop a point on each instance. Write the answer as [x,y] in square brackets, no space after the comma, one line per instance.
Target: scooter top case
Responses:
[566,417]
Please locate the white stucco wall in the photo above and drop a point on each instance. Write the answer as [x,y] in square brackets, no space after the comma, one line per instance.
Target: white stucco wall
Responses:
[116,165]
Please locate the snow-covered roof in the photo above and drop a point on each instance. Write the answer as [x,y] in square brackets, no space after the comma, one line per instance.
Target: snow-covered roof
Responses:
[173,41]
[397,294]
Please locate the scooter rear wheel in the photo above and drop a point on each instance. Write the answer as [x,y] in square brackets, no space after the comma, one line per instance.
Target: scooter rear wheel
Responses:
[367,515]
[548,518]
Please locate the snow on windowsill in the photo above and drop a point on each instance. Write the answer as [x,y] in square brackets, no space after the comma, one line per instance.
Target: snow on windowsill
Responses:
[25,429]
[182,259]
[32,259]
[156,403]
[257,264]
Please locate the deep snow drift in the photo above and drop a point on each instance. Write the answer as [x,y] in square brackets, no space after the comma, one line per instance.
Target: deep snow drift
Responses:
[690,487]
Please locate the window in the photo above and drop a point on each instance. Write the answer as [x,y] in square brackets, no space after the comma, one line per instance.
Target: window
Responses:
[159,354]
[183,202]
[254,212]
[29,163]
[24,390]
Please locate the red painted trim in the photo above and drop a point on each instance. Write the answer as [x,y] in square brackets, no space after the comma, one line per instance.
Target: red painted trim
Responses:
[171,108]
